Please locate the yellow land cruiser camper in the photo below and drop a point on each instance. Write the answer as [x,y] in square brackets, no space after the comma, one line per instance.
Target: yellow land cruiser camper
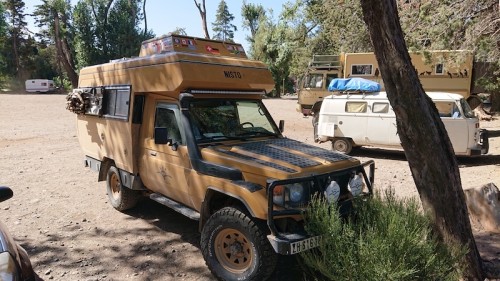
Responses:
[184,123]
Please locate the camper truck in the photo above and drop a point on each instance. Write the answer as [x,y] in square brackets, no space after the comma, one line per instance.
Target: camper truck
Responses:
[184,124]
[356,115]
[39,86]
[439,71]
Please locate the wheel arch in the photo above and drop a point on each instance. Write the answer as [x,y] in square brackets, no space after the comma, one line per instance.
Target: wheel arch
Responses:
[216,199]
[316,107]
[106,163]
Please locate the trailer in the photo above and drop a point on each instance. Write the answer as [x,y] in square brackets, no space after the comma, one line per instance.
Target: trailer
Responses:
[39,86]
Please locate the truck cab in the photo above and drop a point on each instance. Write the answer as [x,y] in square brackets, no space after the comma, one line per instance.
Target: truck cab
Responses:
[185,125]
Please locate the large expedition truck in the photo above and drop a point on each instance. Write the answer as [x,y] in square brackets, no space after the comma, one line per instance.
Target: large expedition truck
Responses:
[184,123]
[439,71]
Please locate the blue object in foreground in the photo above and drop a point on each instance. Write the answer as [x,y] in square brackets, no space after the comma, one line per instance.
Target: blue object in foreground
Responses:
[353,84]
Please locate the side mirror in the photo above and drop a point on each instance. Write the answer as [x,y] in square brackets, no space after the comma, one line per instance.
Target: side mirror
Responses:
[282,126]
[5,193]
[161,136]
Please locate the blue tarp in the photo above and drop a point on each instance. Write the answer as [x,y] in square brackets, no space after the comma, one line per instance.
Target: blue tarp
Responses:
[353,84]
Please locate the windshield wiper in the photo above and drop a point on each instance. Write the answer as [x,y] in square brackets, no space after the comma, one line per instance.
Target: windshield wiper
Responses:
[258,134]
[220,138]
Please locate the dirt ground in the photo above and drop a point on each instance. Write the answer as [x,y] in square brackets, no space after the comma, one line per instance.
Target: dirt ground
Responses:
[61,215]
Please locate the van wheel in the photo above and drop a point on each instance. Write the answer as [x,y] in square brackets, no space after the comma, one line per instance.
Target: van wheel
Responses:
[342,145]
[235,247]
[121,198]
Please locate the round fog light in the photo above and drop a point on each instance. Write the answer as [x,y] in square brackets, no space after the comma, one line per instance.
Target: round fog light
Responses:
[356,185]
[332,192]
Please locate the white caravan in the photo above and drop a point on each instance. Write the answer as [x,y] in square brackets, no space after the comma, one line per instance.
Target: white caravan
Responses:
[39,85]
[367,119]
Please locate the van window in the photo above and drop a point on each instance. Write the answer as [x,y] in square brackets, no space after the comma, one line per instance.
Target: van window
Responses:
[355,107]
[466,109]
[361,69]
[116,101]
[168,116]
[314,81]
[380,107]
[447,109]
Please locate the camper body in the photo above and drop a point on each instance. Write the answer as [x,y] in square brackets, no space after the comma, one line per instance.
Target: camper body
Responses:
[39,86]
[184,124]
[435,69]
[367,119]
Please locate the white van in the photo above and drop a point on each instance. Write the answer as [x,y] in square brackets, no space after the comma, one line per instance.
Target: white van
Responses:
[367,119]
[39,85]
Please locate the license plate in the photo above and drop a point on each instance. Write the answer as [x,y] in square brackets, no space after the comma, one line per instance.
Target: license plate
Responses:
[303,245]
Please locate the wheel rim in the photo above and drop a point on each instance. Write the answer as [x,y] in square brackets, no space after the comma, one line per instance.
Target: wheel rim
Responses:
[233,250]
[114,183]
[340,146]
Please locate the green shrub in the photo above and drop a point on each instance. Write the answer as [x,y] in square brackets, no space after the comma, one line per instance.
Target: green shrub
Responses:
[385,239]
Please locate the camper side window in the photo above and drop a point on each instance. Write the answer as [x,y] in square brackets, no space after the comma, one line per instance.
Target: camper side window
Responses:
[355,107]
[380,107]
[361,69]
[116,102]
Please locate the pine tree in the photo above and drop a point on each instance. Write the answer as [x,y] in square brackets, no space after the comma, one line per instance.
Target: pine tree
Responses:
[3,35]
[17,27]
[223,28]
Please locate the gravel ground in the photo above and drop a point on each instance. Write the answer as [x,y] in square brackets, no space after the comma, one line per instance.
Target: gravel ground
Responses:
[61,215]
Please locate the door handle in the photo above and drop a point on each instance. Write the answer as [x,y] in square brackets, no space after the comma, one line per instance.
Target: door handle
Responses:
[152,153]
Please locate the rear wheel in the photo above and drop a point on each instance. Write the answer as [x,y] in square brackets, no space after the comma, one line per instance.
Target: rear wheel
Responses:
[235,247]
[342,145]
[121,198]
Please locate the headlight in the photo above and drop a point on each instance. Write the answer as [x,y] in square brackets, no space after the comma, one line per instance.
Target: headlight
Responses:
[332,192]
[356,185]
[292,194]
[296,191]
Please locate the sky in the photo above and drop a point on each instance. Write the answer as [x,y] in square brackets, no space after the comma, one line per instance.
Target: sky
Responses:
[165,16]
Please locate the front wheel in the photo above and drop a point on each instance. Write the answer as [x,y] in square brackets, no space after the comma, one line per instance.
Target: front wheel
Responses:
[235,247]
[121,197]
[342,145]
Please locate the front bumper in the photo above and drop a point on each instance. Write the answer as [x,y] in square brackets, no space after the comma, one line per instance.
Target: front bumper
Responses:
[292,243]
[484,141]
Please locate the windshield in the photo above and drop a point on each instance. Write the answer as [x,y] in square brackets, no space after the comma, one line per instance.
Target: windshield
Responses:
[468,113]
[230,119]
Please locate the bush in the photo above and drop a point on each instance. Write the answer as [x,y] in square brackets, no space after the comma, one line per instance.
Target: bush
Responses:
[386,239]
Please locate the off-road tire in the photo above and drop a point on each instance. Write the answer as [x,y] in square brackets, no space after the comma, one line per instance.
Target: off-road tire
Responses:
[121,198]
[235,246]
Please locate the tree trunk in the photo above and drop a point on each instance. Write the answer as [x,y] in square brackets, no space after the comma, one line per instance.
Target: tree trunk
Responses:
[203,14]
[423,136]
[145,19]
[63,55]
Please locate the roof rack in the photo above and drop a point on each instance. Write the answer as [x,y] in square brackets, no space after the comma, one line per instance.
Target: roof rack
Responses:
[325,61]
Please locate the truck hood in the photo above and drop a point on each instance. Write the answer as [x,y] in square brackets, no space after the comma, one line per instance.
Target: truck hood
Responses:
[280,158]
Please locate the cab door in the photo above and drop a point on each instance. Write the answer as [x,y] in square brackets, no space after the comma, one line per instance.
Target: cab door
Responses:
[382,129]
[165,168]
[456,125]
